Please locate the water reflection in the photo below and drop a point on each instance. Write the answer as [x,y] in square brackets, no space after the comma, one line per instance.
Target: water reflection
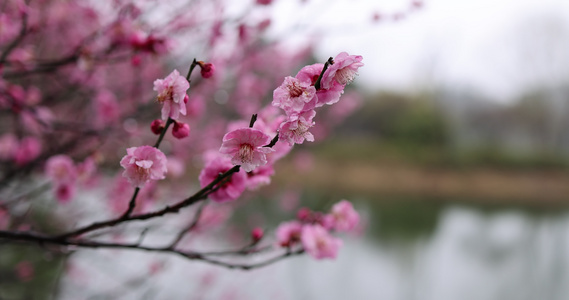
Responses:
[411,251]
[471,254]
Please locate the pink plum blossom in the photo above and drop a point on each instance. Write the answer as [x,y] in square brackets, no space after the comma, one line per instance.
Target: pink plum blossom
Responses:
[260,176]
[318,242]
[230,189]
[171,93]
[30,148]
[329,95]
[61,169]
[245,146]
[294,96]
[33,96]
[343,71]
[64,192]
[8,28]
[295,130]
[149,43]
[36,120]
[107,108]
[142,164]
[87,169]
[8,146]
[342,217]
[289,233]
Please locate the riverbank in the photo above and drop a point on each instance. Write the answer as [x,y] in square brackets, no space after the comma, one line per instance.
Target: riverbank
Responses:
[487,185]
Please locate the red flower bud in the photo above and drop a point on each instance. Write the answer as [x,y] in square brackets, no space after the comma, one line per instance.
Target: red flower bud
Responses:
[157,126]
[303,214]
[207,69]
[180,130]
[257,234]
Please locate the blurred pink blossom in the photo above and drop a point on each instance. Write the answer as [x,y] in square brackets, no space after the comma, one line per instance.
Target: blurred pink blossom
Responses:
[288,233]
[8,146]
[61,169]
[64,192]
[30,148]
[342,217]
[318,242]
[230,189]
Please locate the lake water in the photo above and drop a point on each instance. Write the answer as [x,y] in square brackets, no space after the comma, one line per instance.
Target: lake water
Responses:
[424,252]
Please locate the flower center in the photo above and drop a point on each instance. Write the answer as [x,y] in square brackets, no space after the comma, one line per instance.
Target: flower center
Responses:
[294,90]
[142,171]
[321,243]
[166,95]
[246,153]
[143,168]
[60,172]
[345,75]
[301,129]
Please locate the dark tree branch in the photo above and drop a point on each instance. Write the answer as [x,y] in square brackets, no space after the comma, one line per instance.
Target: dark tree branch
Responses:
[190,227]
[329,62]
[200,195]
[17,40]
[192,255]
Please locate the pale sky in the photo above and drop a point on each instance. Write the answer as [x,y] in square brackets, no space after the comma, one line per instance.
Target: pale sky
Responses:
[498,47]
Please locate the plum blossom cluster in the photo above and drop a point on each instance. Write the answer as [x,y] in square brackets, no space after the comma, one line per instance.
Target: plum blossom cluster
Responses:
[271,135]
[313,230]
[71,74]
[314,86]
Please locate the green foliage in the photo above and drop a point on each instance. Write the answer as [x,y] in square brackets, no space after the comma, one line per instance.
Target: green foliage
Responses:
[47,269]
[402,120]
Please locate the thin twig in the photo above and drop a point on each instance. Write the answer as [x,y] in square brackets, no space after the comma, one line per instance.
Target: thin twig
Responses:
[200,195]
[168,123]
[190,227]
[17,40]
[40,239]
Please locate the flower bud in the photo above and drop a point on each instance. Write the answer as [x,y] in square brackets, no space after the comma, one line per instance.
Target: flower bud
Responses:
[157,126]
[207,69]
[180,130]
[257,234]
[303,214]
